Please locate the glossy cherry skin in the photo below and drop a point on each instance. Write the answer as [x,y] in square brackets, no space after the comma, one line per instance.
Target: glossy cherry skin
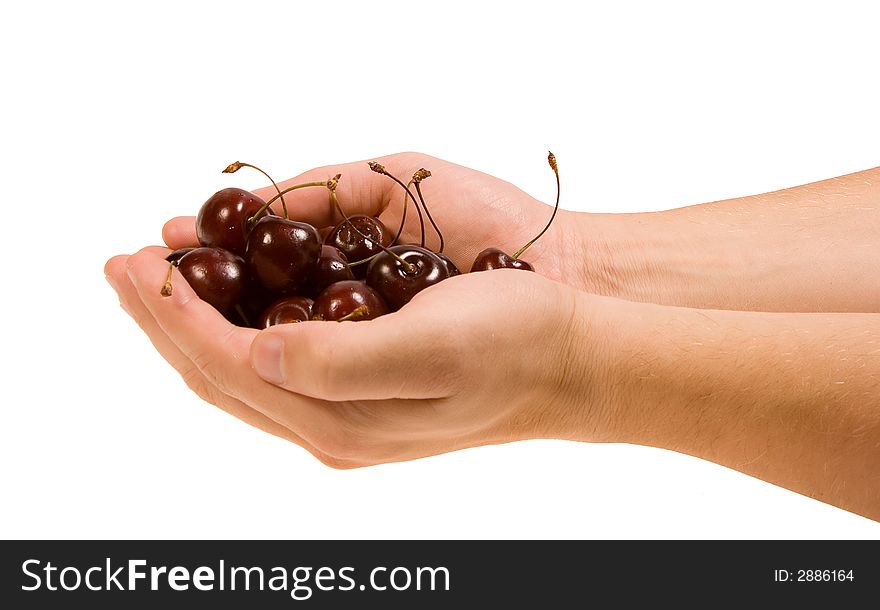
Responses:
[332,267]
[354,246]
[450,266]
[281,254]
[178,254]
[344,298]
[398,285]
[222,219]
[493,258]
[217,276]
[286,311]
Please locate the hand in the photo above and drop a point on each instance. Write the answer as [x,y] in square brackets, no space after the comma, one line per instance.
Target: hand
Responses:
[478,359]
[473,210]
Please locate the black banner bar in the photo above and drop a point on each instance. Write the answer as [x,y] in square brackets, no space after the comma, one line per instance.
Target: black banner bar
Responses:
[432,574]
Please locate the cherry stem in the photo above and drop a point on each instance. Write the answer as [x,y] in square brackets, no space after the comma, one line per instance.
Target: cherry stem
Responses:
[402,218]
[380,169]
[364,260]
[166,287]
[234,167]
[408,267]
[358,312]
[551,159]
[425,205]
[266,205]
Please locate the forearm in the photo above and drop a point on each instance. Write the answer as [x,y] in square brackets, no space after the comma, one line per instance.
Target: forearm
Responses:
[793,399]
[810,248]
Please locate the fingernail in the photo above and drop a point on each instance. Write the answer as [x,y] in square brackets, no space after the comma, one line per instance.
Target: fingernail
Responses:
[266,357]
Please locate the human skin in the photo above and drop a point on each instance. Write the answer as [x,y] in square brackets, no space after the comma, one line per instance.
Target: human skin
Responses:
[792,398]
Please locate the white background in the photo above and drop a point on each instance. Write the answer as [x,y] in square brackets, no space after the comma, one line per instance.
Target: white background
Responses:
[117,116]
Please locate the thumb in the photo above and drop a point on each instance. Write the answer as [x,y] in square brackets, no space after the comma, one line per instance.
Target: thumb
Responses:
[392,356]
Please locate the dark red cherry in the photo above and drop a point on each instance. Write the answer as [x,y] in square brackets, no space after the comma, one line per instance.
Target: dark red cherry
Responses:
[450,266]
[493,258]
[178,254]
[353,245]
[351,300]
[324,232]
[332,267]
[282,253]
[217,276]
[396,282]
[222,219]
[286,311]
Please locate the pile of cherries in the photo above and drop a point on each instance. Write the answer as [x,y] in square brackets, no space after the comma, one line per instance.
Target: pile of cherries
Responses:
[260,269]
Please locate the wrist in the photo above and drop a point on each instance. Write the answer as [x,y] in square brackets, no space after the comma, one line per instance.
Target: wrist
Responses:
[621,396]
[586,406]
[654,257]
[612,258]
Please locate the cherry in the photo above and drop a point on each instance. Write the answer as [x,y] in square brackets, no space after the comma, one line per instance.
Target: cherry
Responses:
[353,243]
[222,221]
[282,253]
[332,267]
[450,266]
[493,258]
[217,276]
[286,311]
[397,273]
[349,300]
[175,256]
[400,272]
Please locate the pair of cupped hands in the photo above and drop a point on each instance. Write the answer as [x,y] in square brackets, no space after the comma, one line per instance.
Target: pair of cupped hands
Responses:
[480,358]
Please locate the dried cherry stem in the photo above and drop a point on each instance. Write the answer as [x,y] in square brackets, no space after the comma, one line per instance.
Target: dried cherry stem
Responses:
[380,169]
[551,159]
[166,287]
[402,217]
[266,205]
[417,178]
[331,186]
[234,167]
[358,312]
